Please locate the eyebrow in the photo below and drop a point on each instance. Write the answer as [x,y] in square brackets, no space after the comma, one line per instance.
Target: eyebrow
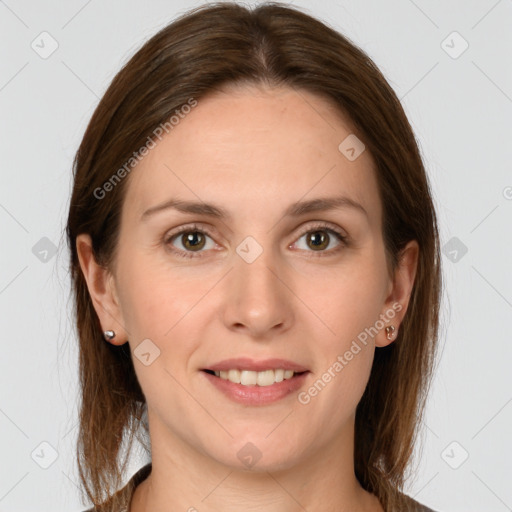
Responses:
[294,210]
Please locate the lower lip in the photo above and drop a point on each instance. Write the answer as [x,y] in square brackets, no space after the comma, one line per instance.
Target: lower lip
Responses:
[257,395]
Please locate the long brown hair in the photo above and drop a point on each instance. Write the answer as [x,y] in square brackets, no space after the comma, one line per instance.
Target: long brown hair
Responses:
[274,45]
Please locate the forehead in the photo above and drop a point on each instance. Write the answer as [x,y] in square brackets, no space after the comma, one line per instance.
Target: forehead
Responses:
[249,146]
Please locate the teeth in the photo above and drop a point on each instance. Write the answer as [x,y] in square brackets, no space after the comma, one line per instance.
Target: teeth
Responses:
[233,376]
[279,375]
[249,378]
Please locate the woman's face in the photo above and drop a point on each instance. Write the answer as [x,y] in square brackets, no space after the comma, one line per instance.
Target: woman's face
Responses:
[268,280]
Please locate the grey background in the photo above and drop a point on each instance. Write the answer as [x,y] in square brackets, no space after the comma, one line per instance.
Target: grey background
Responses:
[460,107]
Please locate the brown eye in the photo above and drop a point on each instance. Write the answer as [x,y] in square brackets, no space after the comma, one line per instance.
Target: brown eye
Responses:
[318,240]
[188,241]
[193,240]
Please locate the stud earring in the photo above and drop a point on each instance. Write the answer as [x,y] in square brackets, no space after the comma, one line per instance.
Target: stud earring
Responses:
[109,335]
[390,332]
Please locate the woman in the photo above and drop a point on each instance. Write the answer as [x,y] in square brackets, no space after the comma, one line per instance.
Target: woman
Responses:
[256,273]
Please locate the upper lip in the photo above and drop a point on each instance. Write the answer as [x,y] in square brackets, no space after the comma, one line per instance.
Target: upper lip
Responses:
[246,363]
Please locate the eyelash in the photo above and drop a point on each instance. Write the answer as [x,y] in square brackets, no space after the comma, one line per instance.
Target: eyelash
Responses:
[193,228]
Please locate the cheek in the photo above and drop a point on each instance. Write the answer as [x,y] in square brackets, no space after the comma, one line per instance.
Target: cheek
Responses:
[347,303]
[343,359]
[349,309]
[155,297]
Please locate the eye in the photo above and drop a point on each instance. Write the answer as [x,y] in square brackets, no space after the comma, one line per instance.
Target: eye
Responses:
[192,239]
[318,238]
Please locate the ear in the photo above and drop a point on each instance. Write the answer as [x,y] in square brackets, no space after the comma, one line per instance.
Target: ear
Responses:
[101,285]
[399,293]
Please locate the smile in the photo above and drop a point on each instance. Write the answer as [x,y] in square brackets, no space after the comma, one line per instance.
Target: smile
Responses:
[256,388]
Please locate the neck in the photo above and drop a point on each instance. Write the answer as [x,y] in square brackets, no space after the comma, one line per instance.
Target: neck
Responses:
[182,478]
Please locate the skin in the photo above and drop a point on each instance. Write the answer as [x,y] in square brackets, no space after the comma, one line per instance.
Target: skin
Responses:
[253,151]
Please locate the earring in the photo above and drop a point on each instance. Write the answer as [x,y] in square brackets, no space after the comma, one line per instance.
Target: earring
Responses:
[109,335]
[390,332]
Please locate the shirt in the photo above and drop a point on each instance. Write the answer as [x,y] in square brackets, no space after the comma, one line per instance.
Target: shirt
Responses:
[126,494]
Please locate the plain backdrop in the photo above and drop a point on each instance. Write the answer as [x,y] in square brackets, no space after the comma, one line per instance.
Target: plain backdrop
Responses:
[450,65]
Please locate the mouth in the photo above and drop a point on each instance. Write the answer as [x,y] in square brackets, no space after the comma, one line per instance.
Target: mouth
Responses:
[256,388]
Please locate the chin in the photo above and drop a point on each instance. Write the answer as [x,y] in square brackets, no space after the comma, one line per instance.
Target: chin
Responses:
[258,455]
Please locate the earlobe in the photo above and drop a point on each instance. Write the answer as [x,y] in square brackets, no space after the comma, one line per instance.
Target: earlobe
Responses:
[397,301]
[101,289]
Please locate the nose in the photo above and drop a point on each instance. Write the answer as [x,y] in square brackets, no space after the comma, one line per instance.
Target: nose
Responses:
[257,297]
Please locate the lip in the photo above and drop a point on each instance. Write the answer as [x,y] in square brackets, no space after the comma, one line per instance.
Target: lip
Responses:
[246,363]
[257,395]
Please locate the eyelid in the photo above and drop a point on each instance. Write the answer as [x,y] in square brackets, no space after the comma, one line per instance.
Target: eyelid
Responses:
[188,228]
[323,224]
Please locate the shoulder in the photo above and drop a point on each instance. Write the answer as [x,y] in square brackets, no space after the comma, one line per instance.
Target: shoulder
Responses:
[123,496]
[423,508]
[415,506]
